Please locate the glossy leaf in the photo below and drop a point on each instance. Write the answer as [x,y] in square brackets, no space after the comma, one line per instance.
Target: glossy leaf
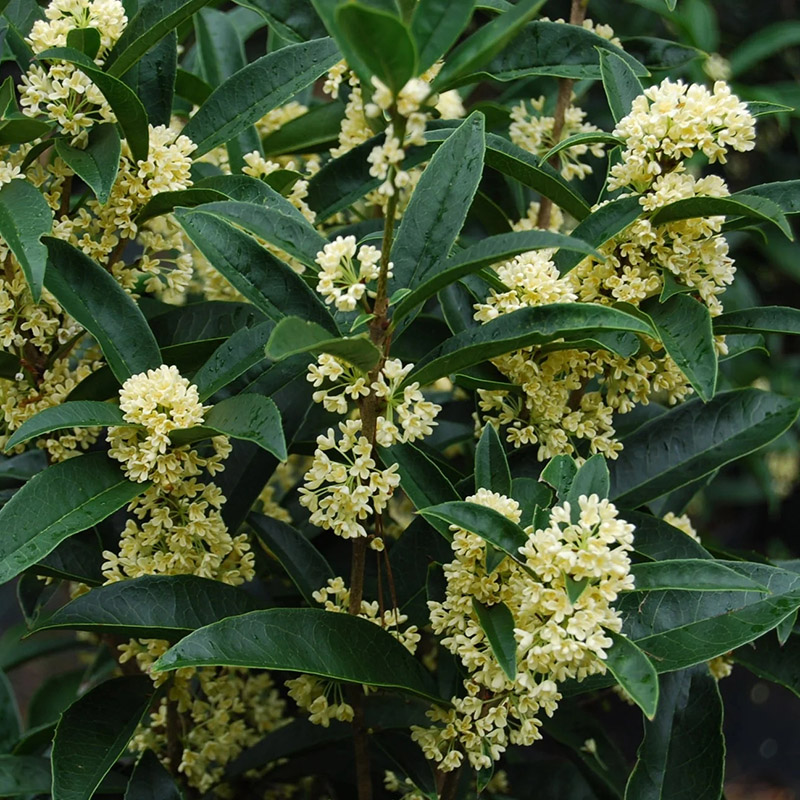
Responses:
[694,439]
[498,624]
[22,232]
[150,780]
[303,563]
[89,741]
[24,776]
[785,194]
[435,27]
[251,417]
[376,43]
[523,328]
[560,472]
[317,129]
[93,298]
[700,574]
[269,283]
[306,640]
[153,78]
[593,137]
[633,671]
[260,87]
[772,661]
[219,48]
[151,607]
[682,755]
[153,21]
[127,107]
[620,82]
[293,335]
[684,327]
[763,319]
[491,464]
[657,540]
[166,202]
[98,164]
[591,478]
[420,478]
[64,499]
[10,723]
[74,414]
[293,20]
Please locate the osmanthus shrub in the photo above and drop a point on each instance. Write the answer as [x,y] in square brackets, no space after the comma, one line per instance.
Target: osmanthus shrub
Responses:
[353,395]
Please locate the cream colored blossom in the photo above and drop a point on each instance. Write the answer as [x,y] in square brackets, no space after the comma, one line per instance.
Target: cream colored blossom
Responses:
[346,271]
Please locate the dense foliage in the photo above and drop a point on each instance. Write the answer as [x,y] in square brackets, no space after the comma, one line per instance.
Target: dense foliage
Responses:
[364,401]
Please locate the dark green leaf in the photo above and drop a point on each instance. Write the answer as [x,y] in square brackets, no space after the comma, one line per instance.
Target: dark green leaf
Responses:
[600,227]
[694,439]
[293,20]
[87,40]
[307,640]
[126,106]
[303,563]
[439,205]
[376,43]
[764,319]
[684,327]
[491,465]
[98,164]
[770,660]
[251,417]
[317,129]
[89,740]
[485,43]
[151,781]
[682,756]
[151,607]
[260,87]
[767,41]
[594,137]
[219,48]
[498,625]
[697,574]
[191,87]
[154,77]
[93,298]
[523,328]
[167,202]
[657,540]
[293,335]
[232,358]
[53,697]
[64,499]
[557,50]
[269,283]
[74,414]
[591,478]
[758,109]
[420,478]
[786,194]
[559,473]
[485,522]
[24,776]
[620,82]
[634,672]
[10,724]
[22,231]
[154,20]
[18,128]
[436,25]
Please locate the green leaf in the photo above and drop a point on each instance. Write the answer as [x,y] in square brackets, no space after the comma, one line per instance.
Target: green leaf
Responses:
[491,464]
[53,697]
[498,624]
[620,82]
[18,128]
[376,43]
[786,194]
[523,328]
[154,20]
[98,164]
[293,335]
[763,109]
[24,776]
[10,723]
[692,574]
[151,781]
[153,78]
[763,319]
[484,44]
[307,640]
[72,414]
[593,137]
[87,40]
[600,227]
[420,478]
[439,205]
[166,202]
[191,87]
[770,660]
[293,20]
[682,756]
[317,129]
[485,522]
[634,672]
[767,41]
[744,205]
[93,298]
[658,540]
[151,607]
[557,50]
[269,283]
[303,563]
[251,417]
[559,473]
[694,439]
[436,25]
[22,232]
[591,478]
[64,499]
[276,221]
[232,358]
[684,327]
[219,48]
[89,740]
[260,87]
[574,588]
[127,107]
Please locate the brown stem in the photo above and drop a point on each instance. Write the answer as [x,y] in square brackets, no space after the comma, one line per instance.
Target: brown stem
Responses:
[116,253]
[66,192]
[449,785]
[174,748]
[576,17]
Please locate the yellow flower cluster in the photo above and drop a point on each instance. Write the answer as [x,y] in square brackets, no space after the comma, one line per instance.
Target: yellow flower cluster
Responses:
[556,638]
[341,282]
